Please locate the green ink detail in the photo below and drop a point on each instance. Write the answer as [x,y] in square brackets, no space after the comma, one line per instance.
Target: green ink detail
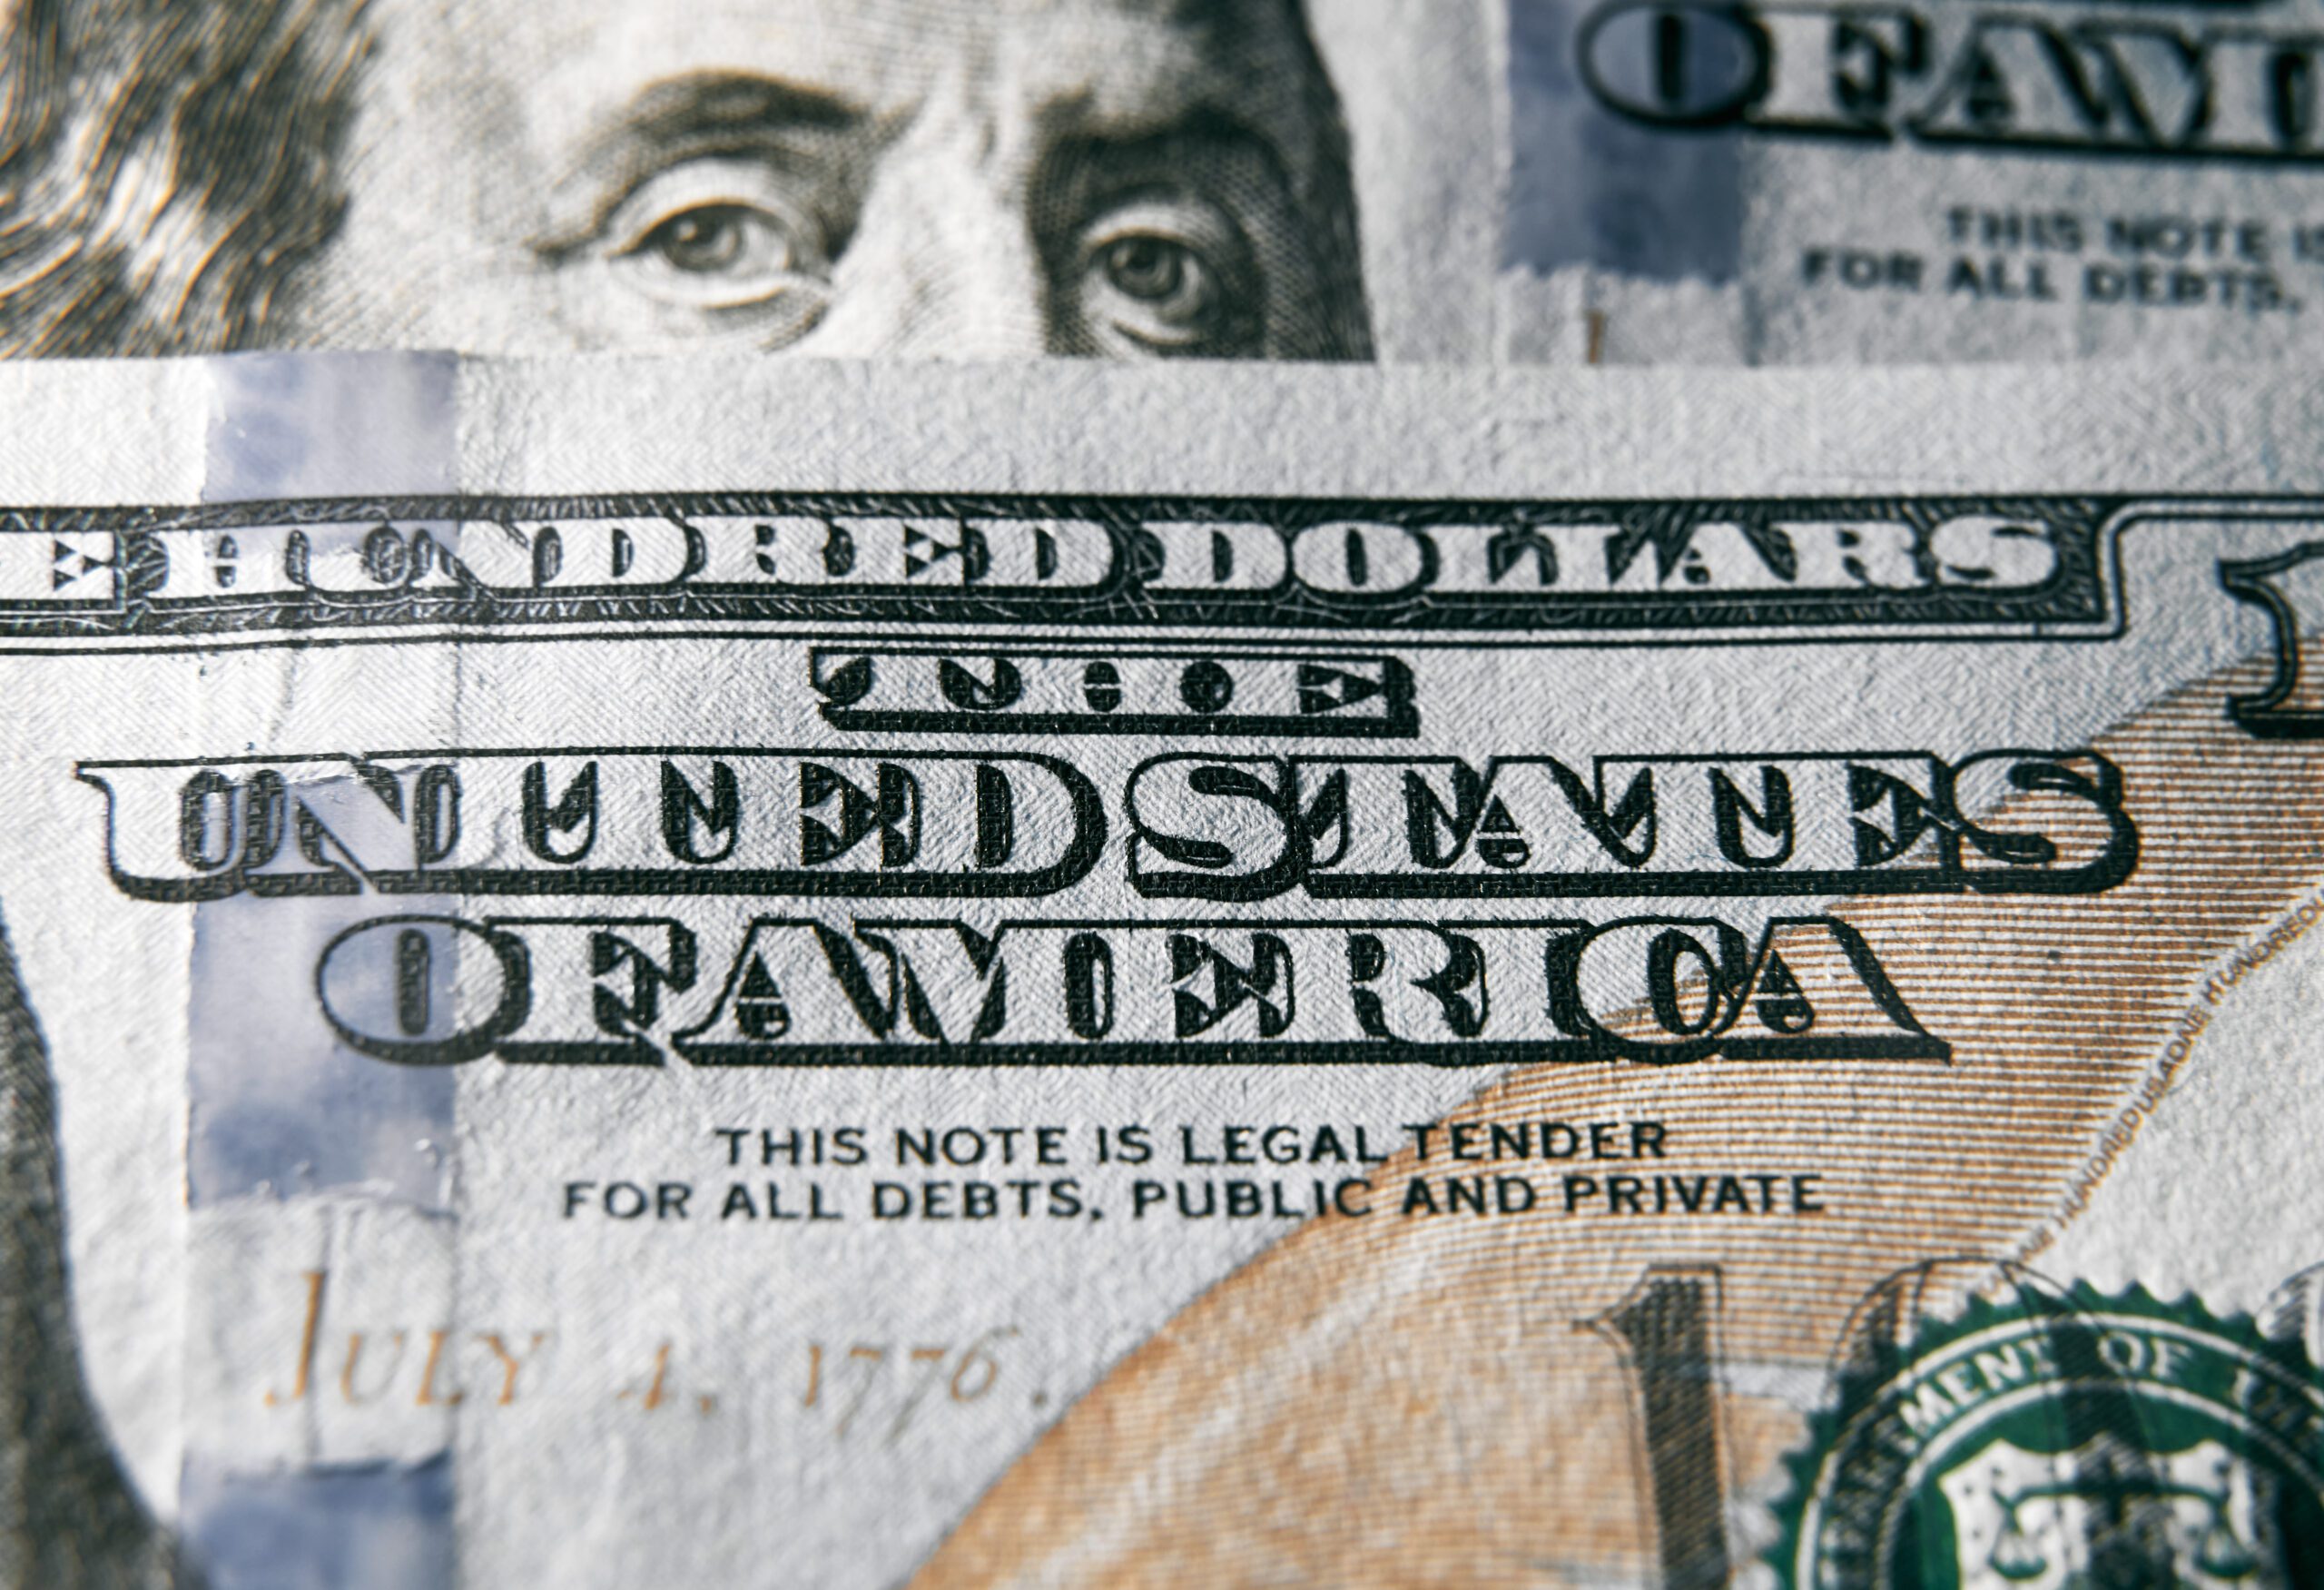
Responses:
[2066,1441]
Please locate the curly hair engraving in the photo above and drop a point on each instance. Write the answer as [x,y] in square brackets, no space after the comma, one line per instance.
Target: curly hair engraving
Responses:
[164,168]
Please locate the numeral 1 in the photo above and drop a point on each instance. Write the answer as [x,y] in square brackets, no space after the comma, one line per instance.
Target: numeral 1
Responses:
[1665,1331]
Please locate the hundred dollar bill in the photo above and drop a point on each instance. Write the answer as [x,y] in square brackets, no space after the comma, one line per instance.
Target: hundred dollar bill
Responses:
[1838,182]
[1102,178]
[848,975]
[1456,182]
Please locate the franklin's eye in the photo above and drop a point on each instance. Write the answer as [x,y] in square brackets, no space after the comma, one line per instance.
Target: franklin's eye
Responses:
[1166,276]
[1160,273]
[715,236]
[725,239]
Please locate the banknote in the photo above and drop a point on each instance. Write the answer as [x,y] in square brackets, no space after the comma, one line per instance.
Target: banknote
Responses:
[1836,181]
[835,974]
[1463,181]
[1104,178]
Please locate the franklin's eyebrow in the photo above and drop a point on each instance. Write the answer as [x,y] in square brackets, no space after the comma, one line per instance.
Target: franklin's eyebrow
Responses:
[705,113]
[684,113]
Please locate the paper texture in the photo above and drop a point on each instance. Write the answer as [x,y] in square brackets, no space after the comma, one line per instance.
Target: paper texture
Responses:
[835,974]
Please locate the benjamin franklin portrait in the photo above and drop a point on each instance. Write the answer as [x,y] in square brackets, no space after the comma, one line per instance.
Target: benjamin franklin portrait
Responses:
[1127,179]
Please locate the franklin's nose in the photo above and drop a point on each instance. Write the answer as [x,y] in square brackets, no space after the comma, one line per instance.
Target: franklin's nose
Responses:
[942,264]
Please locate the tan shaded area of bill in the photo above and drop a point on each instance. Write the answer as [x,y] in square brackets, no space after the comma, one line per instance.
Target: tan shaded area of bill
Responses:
[1424,1402]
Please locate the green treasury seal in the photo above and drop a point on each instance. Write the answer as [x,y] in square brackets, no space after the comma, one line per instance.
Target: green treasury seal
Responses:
[2069,1441]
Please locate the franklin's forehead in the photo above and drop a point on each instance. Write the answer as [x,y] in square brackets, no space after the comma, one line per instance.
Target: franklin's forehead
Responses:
[1130,62]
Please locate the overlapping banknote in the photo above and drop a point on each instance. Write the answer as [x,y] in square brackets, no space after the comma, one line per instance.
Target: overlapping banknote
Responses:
[826,974]
[1687,181]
